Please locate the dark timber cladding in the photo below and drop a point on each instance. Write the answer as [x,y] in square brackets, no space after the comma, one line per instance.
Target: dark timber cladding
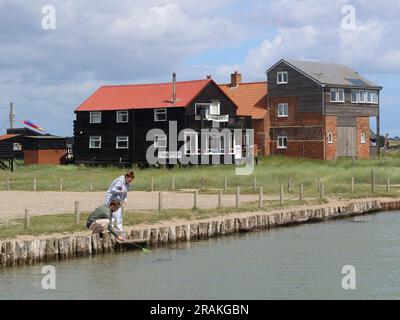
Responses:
[143,102]
[309,93]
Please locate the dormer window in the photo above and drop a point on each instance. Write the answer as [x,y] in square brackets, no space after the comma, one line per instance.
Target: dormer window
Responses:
[337,95]
[283,77]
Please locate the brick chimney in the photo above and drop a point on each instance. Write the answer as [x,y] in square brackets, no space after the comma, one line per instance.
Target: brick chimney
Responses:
[236,79]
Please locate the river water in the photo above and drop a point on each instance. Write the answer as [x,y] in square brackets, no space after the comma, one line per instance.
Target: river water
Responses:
[302,262]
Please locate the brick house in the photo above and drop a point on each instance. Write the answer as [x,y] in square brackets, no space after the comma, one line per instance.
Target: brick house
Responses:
[319,110]
[252,100]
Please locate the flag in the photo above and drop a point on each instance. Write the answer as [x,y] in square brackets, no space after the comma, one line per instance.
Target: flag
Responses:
[32,125]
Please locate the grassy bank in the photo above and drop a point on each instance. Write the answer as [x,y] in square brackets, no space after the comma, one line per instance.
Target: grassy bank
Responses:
[65,223]
[271,173]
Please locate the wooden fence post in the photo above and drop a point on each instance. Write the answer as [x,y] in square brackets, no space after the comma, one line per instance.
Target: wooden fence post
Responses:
[195,199]
[27,220]
[352,185]
[77,213]
[61,184]
[388,185]
[225,183]
[260,198]
[34,184]
[289,185]
[219,199]
[322,190]
[301,192]
[373,181]
[160,202]
[152,184]
[281,196]
[238,197]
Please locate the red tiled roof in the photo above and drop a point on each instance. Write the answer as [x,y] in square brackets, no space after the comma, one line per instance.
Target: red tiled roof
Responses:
[251,98]
[8,136]
[143,96]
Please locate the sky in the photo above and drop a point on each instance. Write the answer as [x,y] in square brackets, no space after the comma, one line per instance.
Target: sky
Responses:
[48,72]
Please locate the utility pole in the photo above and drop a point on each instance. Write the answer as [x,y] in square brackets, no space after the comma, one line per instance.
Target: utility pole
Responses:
[12,116]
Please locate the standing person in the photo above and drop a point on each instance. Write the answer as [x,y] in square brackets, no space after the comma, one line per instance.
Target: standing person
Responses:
[100,219]
[119,189]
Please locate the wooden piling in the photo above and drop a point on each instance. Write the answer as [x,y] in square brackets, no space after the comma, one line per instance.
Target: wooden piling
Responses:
[225,183]
[352,185]
[281,195]
[219,199]
[34,184]
[195,199]
[238,197]
[160,201]
[301,192]
[260,198]
[61,184]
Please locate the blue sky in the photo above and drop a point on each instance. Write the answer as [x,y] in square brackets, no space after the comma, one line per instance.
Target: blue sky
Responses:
[48,73]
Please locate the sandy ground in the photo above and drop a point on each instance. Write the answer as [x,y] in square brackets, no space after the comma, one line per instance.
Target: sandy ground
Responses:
[14,203]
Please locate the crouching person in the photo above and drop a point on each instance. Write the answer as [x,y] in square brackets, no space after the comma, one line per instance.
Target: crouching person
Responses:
[100,219]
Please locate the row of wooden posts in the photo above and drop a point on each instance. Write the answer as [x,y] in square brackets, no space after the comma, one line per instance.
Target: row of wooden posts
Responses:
[321,190]
[203,184]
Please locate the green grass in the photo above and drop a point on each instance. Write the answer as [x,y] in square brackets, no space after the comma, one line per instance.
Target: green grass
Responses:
[65,223]
[271,174]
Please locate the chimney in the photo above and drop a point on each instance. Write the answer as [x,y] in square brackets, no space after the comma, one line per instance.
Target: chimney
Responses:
[236,79]
[12,116]
[174,87]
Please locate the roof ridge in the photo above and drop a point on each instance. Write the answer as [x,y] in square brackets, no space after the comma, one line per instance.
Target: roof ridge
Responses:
[151,84]
[244,83]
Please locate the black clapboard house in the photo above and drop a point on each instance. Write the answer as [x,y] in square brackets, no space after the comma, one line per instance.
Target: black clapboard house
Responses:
[111,125]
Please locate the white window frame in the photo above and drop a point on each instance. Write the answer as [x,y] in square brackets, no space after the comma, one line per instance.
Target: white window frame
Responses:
[215,108]
[281,75]
[361,96]
[208,150]
[338,92]
[284,107]
[280,144]
[94,114]
[159,112]
[363,138]
[188,143]
[330,138]
[120,114]
[158,138]
[122,139]
[354,91]
[97,138]
[341,91]
[197,105]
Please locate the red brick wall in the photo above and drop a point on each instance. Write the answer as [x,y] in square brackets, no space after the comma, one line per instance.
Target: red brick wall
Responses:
[261,135]
[363,126]
[313,147]
[45,157]
[330,126]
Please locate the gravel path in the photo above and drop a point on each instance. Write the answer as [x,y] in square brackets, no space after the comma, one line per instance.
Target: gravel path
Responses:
[14,203]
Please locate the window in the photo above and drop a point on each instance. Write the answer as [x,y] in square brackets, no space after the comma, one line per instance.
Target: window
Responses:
[363,138]
[282,142]
[214,143]
[202,109]
[341,95]
[354,96]
[330,137]
[215,108]
[122,117]
[365,96]
[95,117]
[122,142]
[361,96]
[191,143]
[283,110]
[95,142]
[337,95]
[17,147]
[160,141]
[160,115]
[283,77]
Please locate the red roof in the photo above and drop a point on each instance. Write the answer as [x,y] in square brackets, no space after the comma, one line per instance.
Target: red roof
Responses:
[143,96]
[8,136]
[251,98]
